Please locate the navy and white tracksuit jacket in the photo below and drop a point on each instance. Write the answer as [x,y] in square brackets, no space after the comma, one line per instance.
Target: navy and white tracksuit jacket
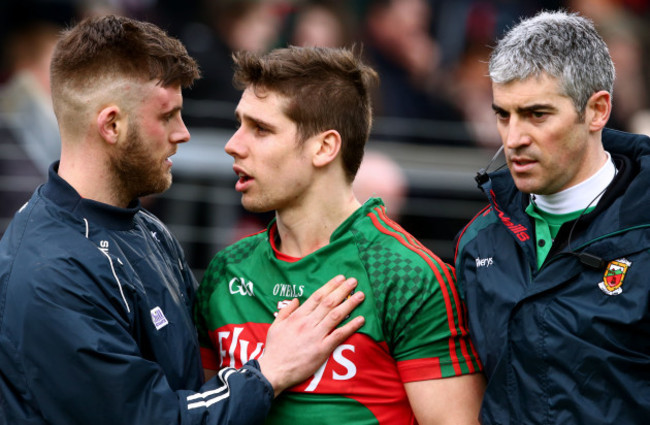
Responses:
[568,343]
[96,322]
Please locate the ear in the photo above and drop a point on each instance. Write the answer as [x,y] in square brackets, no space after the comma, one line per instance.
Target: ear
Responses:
[599,108]
[109,123]
[329,146]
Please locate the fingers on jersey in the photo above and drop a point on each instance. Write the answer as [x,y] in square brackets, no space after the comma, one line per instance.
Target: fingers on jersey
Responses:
[325,302]
[301,338]
[288,309]
[315,300]
[335,308]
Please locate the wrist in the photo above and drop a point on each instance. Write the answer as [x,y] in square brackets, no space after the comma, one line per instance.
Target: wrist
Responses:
[253,366]
[272,377]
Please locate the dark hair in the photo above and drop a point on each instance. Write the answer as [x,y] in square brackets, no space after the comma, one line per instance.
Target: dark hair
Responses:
[326,88]
[105,45]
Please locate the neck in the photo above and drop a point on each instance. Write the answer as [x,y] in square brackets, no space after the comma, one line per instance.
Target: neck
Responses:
[307,228]
[87,172]
[583,195]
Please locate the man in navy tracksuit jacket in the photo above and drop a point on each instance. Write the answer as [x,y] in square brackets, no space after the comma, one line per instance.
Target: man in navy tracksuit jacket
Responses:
[556,348]
[555,270]
[95,294]
[96,325]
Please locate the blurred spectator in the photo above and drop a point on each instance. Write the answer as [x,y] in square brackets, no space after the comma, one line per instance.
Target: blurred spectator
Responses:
[321,23]
[630,94]
[252,25]
[473,94]
[25,99]
[460,23]
[640,122]
[470,86]
[226,26]
[29,136]
[399,45]
[627,39]
[381,176]
[468,29]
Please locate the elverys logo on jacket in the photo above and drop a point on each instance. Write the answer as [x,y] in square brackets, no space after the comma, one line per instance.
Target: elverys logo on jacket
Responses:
[614,276]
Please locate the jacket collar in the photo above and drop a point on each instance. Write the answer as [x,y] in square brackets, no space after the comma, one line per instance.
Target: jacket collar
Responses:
[626,149]
[626,202]
[66,197]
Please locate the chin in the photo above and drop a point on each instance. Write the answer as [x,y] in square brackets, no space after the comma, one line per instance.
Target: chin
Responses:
[157,187]
[255,207]
[526,188]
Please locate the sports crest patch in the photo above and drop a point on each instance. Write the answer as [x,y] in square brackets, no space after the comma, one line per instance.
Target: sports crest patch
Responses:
[614,276]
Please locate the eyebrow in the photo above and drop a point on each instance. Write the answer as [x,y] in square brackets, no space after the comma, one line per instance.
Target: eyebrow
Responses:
[527,109]
[173,110]
[257,121]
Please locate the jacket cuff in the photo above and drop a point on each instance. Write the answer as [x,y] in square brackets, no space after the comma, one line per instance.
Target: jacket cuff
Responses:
[253,367]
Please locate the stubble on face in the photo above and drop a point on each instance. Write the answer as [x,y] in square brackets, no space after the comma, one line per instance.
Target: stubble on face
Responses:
[135,170]
[546,140]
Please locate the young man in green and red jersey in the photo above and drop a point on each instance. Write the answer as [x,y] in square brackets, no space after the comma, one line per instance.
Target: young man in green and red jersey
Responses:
[305,117]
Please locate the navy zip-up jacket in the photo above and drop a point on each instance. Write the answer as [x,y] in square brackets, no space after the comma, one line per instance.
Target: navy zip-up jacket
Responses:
[568,343]
[96,322]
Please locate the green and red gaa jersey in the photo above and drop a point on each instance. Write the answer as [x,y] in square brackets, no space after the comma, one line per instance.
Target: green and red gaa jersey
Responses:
[415,328]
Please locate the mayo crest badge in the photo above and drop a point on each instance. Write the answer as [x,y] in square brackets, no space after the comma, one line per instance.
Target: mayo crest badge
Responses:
[614,276]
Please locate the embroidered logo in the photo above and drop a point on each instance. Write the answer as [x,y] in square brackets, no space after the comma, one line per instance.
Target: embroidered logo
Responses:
[519,230]
[484,262]
[239,285]
[158,318]
[288,290]
[614,276]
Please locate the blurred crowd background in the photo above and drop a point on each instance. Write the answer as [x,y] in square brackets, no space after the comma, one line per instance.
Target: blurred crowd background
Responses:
[434,123]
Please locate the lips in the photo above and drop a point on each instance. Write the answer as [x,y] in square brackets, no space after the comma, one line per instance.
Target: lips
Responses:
[168,160]
[244,179]
[521,164]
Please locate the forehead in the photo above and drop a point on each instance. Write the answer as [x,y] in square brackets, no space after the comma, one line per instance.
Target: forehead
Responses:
[263,103]
[533,90]
[156,97]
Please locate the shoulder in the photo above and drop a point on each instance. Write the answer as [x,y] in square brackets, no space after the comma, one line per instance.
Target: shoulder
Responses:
[51,278]
[481,220]
[377,235]
[393,258]
[245,249]
[48,246]
[46,243]
[157,229]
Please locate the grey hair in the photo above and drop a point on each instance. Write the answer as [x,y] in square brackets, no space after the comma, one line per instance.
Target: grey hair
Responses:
[562,45]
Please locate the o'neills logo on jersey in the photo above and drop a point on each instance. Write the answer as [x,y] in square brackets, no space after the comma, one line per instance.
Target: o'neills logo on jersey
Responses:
[286,290]
[614,276]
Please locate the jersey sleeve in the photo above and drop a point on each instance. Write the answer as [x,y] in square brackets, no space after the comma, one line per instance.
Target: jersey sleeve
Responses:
[419,306]
[429,338]
[83,365]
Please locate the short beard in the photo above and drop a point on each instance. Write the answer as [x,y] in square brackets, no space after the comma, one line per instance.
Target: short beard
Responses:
[135,171]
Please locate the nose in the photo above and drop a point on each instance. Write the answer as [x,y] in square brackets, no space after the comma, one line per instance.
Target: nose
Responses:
[234,147]
[515,135]
[181,134]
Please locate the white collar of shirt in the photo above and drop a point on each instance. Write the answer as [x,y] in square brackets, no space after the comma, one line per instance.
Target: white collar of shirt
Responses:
[583,195]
